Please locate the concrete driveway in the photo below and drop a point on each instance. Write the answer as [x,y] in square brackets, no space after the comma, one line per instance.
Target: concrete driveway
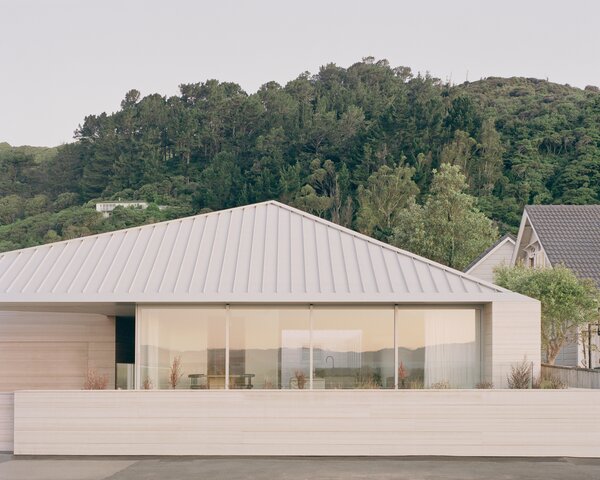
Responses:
[242,468]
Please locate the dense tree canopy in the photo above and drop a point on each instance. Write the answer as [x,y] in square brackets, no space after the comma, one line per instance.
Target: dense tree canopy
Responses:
[568,302]
[332,143]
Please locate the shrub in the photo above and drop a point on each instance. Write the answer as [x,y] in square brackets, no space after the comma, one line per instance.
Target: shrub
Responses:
[485,385]
[443,385]
[95,381]
[520,375]
[549,382]
[147,385]
[300,379]
[175,373]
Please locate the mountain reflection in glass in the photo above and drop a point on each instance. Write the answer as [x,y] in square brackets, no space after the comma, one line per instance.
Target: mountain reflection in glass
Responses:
[438,348]
[353,347]
[269,348]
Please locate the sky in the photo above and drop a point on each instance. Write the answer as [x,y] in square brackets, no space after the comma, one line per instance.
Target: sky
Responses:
[61,60]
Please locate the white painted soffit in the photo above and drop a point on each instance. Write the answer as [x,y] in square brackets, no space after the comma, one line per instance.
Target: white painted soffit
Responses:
[266,252]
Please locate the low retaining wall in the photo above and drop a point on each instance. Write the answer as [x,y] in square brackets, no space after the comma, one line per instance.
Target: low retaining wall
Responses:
[6,422]
[574,377]
[418,422]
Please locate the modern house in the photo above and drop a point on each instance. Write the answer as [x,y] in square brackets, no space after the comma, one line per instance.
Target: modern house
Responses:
[261,330]
[500,253]
[566,235]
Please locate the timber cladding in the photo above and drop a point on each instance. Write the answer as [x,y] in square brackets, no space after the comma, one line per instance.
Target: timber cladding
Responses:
[54,350]
[6,422]
[336,422]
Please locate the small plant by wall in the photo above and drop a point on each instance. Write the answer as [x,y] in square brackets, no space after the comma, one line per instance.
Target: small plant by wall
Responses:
[300,377]
[95,381]
[402,375]
[548,382]
[176,372]
[520,376]
[147,385]
[442,385]
[484,385]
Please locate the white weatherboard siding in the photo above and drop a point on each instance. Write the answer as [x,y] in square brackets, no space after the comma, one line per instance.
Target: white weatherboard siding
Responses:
[6,422]
[417,422]
[484,269]
[511,332]
[54,350]
[267,252]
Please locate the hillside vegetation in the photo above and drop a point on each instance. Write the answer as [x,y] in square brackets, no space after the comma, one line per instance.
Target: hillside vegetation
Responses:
[320,143]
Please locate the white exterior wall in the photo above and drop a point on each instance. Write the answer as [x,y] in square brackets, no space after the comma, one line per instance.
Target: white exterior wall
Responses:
[501,256]
[511,331]
[6,422]
[54,350]
[335,422]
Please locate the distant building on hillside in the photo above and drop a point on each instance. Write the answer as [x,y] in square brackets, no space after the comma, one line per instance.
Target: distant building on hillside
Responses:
[107,207]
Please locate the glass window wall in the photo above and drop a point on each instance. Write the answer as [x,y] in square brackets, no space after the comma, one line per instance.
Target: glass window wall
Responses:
[269,347]
[182,347]
[438,348]
[353,347]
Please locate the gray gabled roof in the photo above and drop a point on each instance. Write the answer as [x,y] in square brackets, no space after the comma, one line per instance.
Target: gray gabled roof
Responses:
[267,252]
[569,234]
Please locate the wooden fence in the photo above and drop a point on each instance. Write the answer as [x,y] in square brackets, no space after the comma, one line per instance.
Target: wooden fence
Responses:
[574,377]
[303,422]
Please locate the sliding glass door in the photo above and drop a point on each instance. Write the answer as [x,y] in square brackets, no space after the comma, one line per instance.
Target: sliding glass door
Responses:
[303,347]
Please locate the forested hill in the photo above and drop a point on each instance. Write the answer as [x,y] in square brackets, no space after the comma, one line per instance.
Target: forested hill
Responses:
[312,143]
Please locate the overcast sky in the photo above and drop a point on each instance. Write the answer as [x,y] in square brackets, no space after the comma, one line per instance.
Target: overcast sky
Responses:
[62,60]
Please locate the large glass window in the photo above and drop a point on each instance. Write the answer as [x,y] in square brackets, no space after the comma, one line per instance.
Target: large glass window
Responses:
[182,347]
[272,347]
[353,347]
[438,348]
[269,347]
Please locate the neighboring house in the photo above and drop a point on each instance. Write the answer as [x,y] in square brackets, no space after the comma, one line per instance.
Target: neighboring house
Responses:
[230,314]
[498,254]
[107,207]
[551,235]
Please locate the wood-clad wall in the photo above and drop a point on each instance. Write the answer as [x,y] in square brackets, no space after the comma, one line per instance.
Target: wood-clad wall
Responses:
[335,422]
[6,422]
[511,332]
[54,350]
[501,256]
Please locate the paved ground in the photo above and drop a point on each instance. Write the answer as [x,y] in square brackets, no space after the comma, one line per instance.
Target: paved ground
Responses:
[259,468]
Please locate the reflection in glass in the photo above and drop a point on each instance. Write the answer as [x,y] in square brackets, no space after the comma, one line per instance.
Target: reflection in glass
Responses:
[269,347]
[438,348]
[353,347]
[182,347]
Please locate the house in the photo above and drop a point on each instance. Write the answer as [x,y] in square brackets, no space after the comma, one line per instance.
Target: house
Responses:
[106,208]
[551,235]
[258,330]
[500,253]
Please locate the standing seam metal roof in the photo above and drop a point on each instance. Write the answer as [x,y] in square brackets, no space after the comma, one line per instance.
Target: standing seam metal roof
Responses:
[263,251]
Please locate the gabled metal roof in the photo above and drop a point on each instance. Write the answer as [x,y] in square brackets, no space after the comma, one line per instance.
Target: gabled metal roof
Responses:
[267,252]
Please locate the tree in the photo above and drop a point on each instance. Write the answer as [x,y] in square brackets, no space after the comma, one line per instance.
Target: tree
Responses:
[381,201]
[448,228]
[567,302]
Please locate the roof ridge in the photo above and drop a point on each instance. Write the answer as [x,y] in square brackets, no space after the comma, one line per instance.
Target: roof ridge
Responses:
[398,250]
[124,230]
